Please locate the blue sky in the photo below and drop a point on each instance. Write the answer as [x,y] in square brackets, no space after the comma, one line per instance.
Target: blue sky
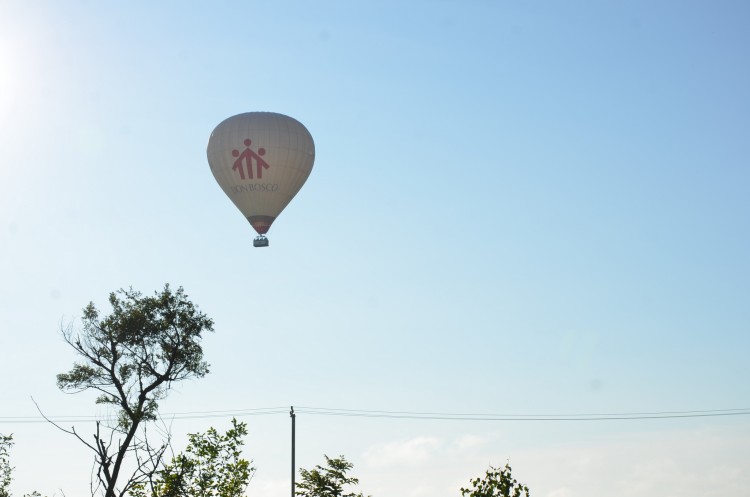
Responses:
[516,207]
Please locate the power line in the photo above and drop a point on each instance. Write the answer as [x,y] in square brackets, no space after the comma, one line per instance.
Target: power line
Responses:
[166,416]
[522,417]
[445,416]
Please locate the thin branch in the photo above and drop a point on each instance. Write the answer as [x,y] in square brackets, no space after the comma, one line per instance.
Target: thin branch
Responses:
[69,432]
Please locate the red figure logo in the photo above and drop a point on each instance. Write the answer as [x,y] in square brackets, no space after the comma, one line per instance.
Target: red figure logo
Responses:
[247,156]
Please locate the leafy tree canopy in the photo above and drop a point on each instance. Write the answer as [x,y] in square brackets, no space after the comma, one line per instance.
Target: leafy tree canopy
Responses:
[497,482]
[327,481]
[133,355]
[211,466]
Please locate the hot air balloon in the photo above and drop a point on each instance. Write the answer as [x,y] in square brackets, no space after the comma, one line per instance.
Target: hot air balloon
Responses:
[261,160]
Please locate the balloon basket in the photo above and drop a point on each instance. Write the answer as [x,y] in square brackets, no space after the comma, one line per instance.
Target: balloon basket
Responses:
[260,241]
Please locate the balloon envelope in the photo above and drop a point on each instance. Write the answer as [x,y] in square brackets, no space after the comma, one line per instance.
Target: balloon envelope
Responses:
[261,160]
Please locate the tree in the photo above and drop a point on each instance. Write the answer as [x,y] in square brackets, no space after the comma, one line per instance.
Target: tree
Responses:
[497,482]
[211,466]
[6,470]
[131,358]
[328,481]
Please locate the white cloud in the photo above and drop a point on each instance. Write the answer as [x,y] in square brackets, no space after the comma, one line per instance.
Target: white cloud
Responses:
[407,452]
[690,462]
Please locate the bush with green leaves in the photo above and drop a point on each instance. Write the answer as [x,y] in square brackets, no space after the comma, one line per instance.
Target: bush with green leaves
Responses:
[327,481]
[497,482]
[211,466]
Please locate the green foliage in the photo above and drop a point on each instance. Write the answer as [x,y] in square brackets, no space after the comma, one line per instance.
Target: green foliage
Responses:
[131,357]
[211,466]
[6,470]
[497,482]
[328,481]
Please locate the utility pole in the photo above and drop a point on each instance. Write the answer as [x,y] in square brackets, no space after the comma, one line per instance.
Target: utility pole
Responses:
[291,414]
